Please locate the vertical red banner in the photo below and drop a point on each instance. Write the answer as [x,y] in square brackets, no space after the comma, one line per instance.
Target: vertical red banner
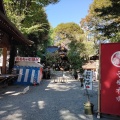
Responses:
[110,78]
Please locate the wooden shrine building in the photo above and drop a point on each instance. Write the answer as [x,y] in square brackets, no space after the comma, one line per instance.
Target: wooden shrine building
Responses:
[9,35]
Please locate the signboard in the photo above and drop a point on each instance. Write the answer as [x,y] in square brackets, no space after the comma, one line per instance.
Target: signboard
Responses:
[29,59]
[88,80]
[110,78]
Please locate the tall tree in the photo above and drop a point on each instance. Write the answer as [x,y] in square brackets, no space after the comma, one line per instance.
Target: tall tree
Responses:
[31,19]
[76,54]
[65,31]
[111,14]
[25,5]
[74,38]
[105,14]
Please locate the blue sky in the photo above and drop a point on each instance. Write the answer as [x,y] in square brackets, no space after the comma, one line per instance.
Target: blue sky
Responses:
[67,11]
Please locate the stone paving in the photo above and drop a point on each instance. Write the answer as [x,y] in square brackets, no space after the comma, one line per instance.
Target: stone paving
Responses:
[47,101]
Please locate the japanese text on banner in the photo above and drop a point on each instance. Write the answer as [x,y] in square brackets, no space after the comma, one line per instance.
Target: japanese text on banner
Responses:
[88,80]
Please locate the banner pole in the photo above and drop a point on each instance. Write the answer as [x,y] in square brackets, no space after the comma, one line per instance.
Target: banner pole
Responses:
[99,80]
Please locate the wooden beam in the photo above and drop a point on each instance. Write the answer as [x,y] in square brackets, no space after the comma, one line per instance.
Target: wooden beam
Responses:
[4,60]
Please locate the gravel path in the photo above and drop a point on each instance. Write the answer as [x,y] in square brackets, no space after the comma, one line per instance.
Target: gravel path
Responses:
[47,101]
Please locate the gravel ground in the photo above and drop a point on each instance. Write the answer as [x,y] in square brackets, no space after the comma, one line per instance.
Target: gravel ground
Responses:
[47,101]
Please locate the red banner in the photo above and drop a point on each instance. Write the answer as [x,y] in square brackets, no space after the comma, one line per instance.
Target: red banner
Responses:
[110,78]
[30,59]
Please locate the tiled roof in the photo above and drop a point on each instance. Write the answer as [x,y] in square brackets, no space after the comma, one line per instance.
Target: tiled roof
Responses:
[90,65]
[52,49]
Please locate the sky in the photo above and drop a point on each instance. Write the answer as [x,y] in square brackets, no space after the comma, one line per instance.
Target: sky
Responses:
[67,11]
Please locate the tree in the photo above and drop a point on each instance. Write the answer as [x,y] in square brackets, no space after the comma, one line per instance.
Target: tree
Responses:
[112,15]
[105,14]
[76,54]
[50,36]
[38,32]
[65,31]
[30,18]
[24,5]
[75,40]
[51,58]
[31,22]
[92,23]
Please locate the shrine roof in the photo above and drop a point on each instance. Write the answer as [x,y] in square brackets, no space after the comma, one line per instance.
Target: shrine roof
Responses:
[9,28]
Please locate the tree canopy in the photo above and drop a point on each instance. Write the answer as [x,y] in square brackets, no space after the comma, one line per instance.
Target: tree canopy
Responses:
[103,18]
[64,32]
[30,18]
[75,40]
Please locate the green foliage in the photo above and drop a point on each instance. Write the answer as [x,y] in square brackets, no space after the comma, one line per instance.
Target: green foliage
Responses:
[89,49]
[31,19]
[98,4]
[68,28]
[104,18]
[26,4]
[65,32]
[111,14]
[50,37]
[116,38]
[76,54]
[52,58]
[35,20]
[75,40]
[110,9]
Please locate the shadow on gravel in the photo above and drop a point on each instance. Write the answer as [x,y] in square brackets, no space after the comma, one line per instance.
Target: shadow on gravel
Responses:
[47,101]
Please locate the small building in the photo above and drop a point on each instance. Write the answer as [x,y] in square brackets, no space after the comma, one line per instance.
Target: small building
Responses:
[91,65]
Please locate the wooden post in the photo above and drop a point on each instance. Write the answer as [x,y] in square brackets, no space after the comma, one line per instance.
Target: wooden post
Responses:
[99,83]
[4,60]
